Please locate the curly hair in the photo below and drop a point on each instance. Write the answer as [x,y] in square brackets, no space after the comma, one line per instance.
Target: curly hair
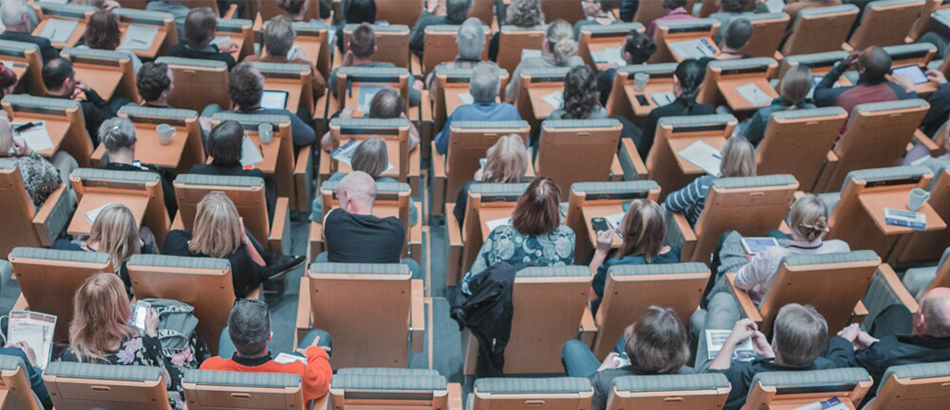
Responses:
[524,13]
[580,93]
[152,80]
[102,32]
[245,86]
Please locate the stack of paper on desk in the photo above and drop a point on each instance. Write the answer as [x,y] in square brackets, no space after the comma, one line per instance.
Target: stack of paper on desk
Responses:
[703,156]
[250,155]
[611,55]
[663,98]
[693,49]
[753,94]
[554,99]
[138,38]
[36,137]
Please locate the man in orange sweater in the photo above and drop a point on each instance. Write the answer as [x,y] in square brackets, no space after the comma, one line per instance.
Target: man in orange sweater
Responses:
[246,339]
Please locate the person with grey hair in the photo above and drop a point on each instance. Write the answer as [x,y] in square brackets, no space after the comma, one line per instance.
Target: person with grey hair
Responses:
[455,13]
[471,45]
[19,23]
[279,36]
[483,88]
[244,347]
[118,136]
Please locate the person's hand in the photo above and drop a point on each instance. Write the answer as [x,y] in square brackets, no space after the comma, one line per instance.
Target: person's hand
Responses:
[303,350]
[936,76]
[30,354]
[743,330]
[418,85]
[151,323]
[432,5]
[850,58]
[610,362]
[761,345]
[348,58]
[605,239]
[80,84]
[904,81]
[864,340]
[850,333]
[229,48]
[205,124]
[347,113]
[20,148]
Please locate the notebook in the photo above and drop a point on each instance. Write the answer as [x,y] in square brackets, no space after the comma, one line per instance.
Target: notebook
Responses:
[753,94]
[704,156]
[93,214]
[716,338]
[138,38]
[527,52]
[554,99]
[59,31]
[908,219]
[36,137]
[663,98]
[693,49]
[250,155]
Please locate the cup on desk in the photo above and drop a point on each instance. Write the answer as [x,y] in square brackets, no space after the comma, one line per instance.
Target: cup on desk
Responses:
[640,81]
[266,133]
[165,133]
[917,198]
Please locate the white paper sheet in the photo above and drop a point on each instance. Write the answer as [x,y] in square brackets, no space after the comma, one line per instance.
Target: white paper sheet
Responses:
[36,330]
[527,52]
[611,55]
[833,403]
[221,41]
[753,94]
[250,155]
[554,99]
[284,358]
[494,223]
[466,97]
[693,49]
[37,137]
[663,98]
[138,38]
[704,156]
[59,30]
[716,338]
[93,214]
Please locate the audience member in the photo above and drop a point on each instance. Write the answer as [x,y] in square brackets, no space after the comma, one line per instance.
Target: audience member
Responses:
[559,50]
[738,160]
[581,100]
[793,8]
[637,49]
[200,26]
[99,4]
[61,82]
[176,8]
[33,372]
[675,10]
[506,162]
[596,12]
[628,10]
[471,44]
[155,82]
[484,87]
[40,176]
[359,53]
[244,347]
[534,236]
[687,80]
[455,13]
[355,12]
[792,90]
[8,81]
[657,343]
[279,38]
[939,104]
[520,13]
[297,9]
[118,136]
[386,104]
[19,25]
[728,9]
[936,164]
[102,33]
[874,66]
[732,38]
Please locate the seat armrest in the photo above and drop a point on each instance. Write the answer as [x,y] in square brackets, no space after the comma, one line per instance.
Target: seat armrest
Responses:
[425,107]
[453,256]
[302,323]
[280,232]
[455,396]
[21,303]
[303,175]
[745,302]
[859,313]
[415,66]
[616,169]
[827,170]
[634,168]
[323,402]
[417,316]
[679,233]
[315,241]
[895,285]
[51,219]
[924,140]
[588,327]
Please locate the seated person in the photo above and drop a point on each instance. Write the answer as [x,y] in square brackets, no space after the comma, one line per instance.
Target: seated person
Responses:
[471,44]
[19,25]
[155,82]
[386,104]
[728,9]
[61,82]
[656,343]
[792,90]
[637,49]
[359,53]
[792,8]
[559,50]
[738,160]
[279,38]
[520,13]
[687,79]
[874,84]
[218,232]
[297,9]
[33,372]
[102,33]
[483,87]
[628,9]
[455,13]
[244,347]
[354,12]
[936,164]
[732,38]
[580,99]
[173,7]
[200,26]
[118,136]
[506,162]
[534,236]
[675,10]
[40,177]
[596,12]
[115,233]
[939,104]
[642,231]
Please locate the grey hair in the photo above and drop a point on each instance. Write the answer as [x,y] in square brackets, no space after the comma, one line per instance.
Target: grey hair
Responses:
[249,326]
[279,35]
[12,11]
[471,39]
[457,10]
[117,134]
[484,85]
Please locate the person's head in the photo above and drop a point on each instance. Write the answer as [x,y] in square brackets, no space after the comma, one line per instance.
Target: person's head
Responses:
[732,6]
[687,79]
[808,218]
[155,81]
[638,48]
[874,64]
[657,342]
[101,315]
[671,5]
[15,15]
[117,134]
[293,7]
[363,42]
[524,13]
[506,161]
[471,39]
[538,210]
[59,76]
[246,86]
[249,327]
[217,228]
[581,97]
[737,33]
[371,157]
[8,81]
[799,335]
[102,31]
[643,229]
[200,25]
[279,35]
[485,84]
[386,104]
[224,143]
[456,10]
[738,158]
[795,84]
[594,8]
[933,316]
[356,193]
[559,41]
[359,11]
[115,232]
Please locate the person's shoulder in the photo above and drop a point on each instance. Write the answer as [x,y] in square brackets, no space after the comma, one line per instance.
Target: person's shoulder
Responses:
[838,245]
[215,363]
[564,230]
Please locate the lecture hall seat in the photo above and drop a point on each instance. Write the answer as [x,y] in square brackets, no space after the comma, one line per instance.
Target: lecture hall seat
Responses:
[16,388]
[25,225]
[913,387]
[771,390]
[74,385]
[502,393]
[374,388]
[216,390]
[673,391]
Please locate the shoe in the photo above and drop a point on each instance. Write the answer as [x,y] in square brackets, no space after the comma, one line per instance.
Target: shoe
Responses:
[279,264]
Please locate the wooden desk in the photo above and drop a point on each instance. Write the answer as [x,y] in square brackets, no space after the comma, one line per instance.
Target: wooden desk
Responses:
[100,78]
[489,213]
[541,107]
[727,87]
[292,87]
[73,38]
[679,144]
[453,99]
[270,152]
[148,149]
[152,51]
[681,39]
[875,202]
[616,42]
[92,200]
[600,211]
[351,99]
[654,86]
[55,126]
[794,404]
[311,47]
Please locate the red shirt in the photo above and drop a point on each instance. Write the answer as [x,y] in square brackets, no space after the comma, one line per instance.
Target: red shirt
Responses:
[315,374]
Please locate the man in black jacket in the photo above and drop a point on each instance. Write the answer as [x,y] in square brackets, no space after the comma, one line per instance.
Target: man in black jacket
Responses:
[19,27]
[61,82]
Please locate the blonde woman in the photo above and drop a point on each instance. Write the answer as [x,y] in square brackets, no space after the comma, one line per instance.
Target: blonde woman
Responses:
[114,232]
[506,162]
[793,89]
[559,50]
[738,160]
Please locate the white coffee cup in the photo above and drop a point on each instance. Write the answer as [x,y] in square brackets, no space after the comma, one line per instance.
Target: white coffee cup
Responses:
[165,133]
[266,132]
[640,81]
[917,198]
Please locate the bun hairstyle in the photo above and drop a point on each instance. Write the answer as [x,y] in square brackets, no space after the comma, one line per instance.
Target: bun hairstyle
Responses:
[690,74]
[809,218]
[639,46]
[561,42]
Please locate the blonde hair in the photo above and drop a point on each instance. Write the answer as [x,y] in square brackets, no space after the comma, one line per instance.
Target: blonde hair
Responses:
[796,83]
[217,229]
[507,160]
[643,230]
[115,233]
[738,158]
[101,316]
[561,42]
[809,218]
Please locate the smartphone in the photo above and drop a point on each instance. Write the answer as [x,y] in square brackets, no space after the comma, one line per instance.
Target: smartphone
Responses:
[642,99]
[139,312]
[599,224]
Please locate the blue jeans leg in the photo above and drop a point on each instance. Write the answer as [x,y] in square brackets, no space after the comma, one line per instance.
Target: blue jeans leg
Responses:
[723,313]
[578,360]
[325,339]
[226,347]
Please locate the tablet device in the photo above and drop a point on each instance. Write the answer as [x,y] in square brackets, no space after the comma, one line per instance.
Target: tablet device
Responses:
[755,245]
[274,99]
[912,71]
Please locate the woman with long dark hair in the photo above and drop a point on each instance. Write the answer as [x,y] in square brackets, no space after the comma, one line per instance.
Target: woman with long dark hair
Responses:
[581,99]
[687,80]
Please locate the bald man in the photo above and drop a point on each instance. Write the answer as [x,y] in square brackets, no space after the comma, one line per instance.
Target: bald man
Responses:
[353,234]
[929,341]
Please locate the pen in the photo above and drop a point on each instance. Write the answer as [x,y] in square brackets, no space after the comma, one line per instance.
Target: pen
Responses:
[24,127]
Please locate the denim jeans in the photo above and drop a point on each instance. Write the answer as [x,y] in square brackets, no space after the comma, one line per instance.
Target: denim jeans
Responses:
[226,347]
[723,312]
[413,265]
[579,360]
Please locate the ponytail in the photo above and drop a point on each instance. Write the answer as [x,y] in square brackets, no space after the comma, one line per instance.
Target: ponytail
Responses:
[690,74]
[561,42]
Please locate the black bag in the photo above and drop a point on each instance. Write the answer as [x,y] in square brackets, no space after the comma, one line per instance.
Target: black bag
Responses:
[487,312]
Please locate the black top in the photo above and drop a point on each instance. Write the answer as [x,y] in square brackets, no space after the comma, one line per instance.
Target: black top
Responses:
[95,111]
[939,109]
[889,351]
[209,53]
[605,84]
[740,375]
[417,35]
[47,51]
[168,189]
[363,238]
[677,108]
[270,189]
[246,274]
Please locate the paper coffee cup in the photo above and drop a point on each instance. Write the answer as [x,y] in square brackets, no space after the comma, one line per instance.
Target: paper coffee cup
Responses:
[640,81]
[165,133]
[266,133]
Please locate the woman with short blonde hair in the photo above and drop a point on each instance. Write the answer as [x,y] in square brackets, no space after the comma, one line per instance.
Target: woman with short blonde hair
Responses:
[218,228]
[506,162]
[559,50]
[793,90]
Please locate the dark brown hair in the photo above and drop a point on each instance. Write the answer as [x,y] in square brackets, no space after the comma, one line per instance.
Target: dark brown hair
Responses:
[102,31]
[657,343]
[224,143]
[363,41]
[200,26]
[386,104]
[245,86]
[538,210]
[153,80]
[643,229]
